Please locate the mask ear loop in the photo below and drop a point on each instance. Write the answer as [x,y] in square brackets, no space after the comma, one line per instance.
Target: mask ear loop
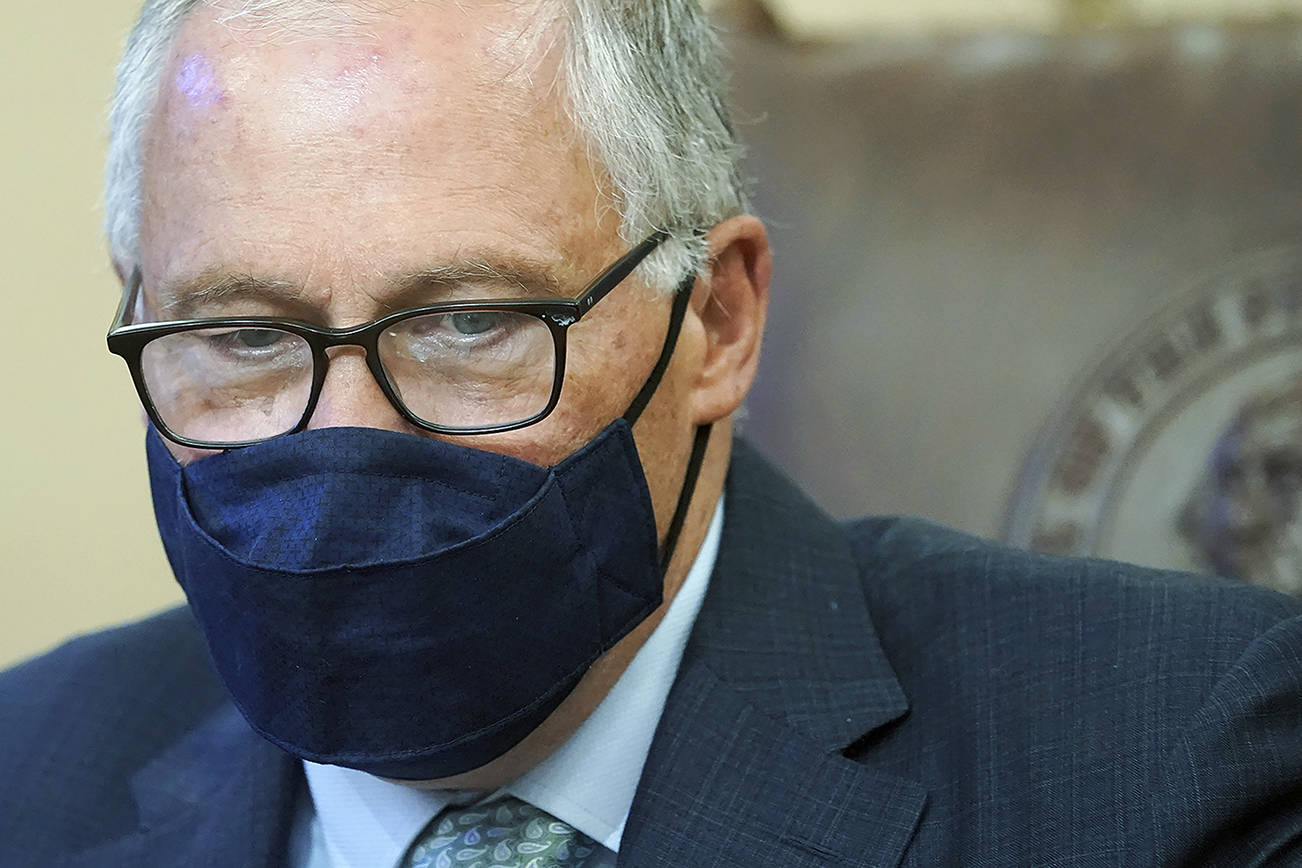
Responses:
[682,297]
[701,441]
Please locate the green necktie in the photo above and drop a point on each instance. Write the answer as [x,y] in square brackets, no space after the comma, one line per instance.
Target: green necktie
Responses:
[506,833]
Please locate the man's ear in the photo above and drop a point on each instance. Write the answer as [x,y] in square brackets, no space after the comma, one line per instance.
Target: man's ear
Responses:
[732,304]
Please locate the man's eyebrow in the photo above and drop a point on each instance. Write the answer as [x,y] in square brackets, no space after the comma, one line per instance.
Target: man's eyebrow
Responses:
[180,300]
[523,278]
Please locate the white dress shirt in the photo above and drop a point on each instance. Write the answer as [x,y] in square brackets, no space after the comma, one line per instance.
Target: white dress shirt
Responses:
[355,820]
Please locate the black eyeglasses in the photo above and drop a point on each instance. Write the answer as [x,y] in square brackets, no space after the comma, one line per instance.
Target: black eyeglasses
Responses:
[461,367]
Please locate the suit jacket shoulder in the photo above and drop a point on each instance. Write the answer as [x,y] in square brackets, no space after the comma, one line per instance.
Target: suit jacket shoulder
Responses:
[932,589]
[105,702]
[1133,699]
[114,743]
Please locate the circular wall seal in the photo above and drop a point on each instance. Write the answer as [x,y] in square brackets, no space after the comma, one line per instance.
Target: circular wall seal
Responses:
[1182,448]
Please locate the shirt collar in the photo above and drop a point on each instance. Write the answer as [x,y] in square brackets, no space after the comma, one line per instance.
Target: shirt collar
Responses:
[589,782]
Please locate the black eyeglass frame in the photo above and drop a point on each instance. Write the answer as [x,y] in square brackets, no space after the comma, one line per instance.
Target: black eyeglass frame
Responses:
[558,314]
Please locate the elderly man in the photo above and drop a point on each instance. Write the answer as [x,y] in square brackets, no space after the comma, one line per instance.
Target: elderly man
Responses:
[440,312]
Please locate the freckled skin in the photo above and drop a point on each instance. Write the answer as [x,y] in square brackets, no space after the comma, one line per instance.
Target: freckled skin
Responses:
[339,164]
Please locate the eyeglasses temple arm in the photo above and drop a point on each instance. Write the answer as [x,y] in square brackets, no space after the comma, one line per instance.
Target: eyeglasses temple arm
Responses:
[128,302]
[618,272]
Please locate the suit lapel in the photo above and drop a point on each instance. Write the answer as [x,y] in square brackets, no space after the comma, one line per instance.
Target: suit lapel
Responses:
[783,672]
[222,796]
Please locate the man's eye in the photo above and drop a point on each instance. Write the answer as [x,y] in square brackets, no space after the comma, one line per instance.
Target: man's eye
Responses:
[257,338]
[474,322]
[250,343]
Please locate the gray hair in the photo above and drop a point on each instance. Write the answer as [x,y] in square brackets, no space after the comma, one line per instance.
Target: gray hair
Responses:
[644,85]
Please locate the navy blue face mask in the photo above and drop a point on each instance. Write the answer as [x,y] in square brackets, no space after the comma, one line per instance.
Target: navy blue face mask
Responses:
[405,606]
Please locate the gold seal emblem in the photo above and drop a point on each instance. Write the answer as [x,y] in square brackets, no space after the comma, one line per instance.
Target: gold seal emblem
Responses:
[1182,448]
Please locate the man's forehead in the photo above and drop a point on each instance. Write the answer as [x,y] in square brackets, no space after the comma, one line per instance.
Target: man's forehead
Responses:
[344,162]
[233,55]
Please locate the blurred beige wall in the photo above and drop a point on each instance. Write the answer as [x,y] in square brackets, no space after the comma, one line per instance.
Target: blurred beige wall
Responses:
[1175,10]
[77,540]
[846,19]
[837,19]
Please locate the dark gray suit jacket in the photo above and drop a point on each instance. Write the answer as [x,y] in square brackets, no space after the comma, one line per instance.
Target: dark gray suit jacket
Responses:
[879,694]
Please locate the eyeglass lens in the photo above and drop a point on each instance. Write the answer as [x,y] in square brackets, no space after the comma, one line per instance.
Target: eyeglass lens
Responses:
[472,368]
[467,369]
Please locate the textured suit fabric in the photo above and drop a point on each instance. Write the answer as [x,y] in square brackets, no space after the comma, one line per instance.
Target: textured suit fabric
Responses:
[882,693]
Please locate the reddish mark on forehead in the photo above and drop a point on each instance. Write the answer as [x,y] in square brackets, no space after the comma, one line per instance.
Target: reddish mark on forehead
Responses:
[196,80]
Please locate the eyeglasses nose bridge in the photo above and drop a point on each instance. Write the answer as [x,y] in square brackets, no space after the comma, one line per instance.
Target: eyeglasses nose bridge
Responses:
[347,347]
[360,339]
[354,381]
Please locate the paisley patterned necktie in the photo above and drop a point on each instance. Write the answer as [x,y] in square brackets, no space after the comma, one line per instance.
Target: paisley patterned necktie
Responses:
[506,833]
